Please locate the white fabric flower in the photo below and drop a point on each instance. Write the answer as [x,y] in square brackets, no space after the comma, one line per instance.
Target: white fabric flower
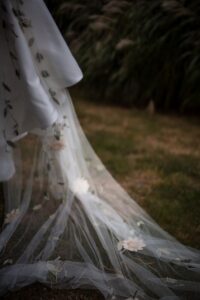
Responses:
[58,145]
[11,216]
[131,244]
[100,167]
[140,223]
[80,186]
[37,207]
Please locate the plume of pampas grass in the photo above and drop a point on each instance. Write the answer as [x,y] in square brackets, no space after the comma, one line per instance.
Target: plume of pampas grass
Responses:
[99,26]
[124,44]
[147,49]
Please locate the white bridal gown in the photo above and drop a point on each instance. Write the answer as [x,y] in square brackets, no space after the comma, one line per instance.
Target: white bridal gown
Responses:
[67,222]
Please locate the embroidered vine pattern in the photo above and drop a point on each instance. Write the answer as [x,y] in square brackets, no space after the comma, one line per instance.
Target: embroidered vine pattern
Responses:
[9,28]
[10,36]
[26,26]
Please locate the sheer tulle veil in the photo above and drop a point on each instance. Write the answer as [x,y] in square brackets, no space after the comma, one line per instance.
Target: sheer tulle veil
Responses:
[68,223]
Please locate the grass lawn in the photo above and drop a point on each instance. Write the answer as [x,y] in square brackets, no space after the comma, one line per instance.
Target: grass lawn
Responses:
[155,158]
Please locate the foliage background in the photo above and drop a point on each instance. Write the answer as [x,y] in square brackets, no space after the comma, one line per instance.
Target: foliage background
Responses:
[134,51]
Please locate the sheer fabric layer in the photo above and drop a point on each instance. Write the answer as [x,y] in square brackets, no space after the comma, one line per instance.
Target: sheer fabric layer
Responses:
[69,224]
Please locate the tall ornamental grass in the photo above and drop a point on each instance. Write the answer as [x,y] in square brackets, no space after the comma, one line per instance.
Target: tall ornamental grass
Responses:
[136,51]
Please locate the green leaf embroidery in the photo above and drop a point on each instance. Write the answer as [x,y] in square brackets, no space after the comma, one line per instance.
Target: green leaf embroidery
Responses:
[31,42]
[15,12]
[39,57]
[13,56]
[26,23]
[16,132]
[56,100]
[45,73]
[5,112]
[17,73]
[10,106]
[13,32]
[6,87]
[53,94]
[11,144]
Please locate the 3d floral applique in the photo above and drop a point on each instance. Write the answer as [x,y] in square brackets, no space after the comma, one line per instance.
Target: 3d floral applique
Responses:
[140,223]
[132,244]
[80,186]
[11,216]
[37,207]
[100,167]
[58,145]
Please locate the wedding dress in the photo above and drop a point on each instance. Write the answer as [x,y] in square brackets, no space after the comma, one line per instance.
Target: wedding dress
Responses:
[67,222]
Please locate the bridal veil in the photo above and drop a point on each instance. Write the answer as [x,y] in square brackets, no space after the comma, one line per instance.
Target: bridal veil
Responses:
[67,222]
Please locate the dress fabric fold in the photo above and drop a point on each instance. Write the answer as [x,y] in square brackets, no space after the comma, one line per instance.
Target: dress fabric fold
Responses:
[36,64]
[67,222]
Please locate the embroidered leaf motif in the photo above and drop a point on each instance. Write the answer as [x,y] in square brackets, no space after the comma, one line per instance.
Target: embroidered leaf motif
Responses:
[26,23]
[5,112]
[16,132]
[15,12]
[56,100]
[31,42]
[45,73]
[17,73]
[39,57]
[52,93]
[13,32]
[6,87]
[11,144]
[13,56]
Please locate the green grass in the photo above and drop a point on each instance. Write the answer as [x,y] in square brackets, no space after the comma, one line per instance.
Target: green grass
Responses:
[155,158]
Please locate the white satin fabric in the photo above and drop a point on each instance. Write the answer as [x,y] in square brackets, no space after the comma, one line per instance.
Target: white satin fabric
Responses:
[30,44]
